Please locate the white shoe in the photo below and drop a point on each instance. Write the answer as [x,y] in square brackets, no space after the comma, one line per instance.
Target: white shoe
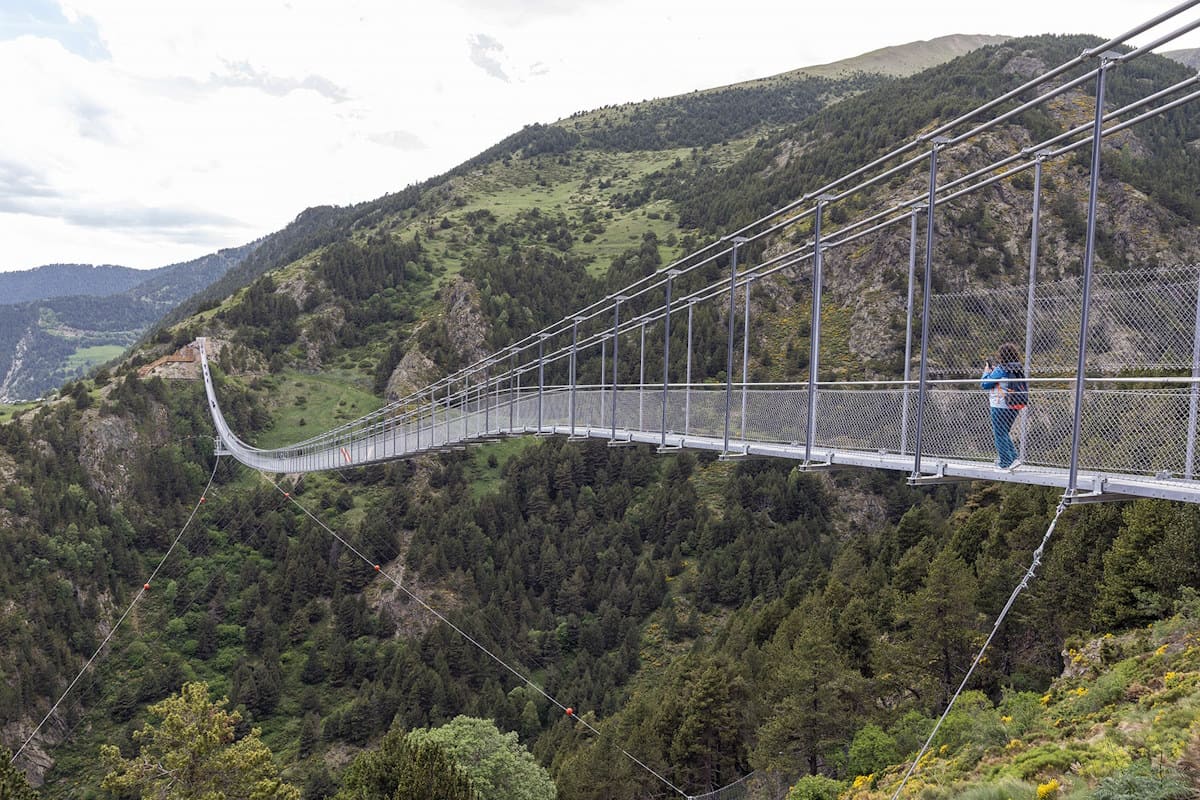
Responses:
[1014,465]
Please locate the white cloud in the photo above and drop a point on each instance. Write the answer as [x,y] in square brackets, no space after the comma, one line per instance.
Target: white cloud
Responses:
[485,54]
[144,132]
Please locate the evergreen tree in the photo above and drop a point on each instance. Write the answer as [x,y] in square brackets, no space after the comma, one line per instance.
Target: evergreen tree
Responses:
[813,693]
[13,785]
[499,766]
[193,754]
[401,767]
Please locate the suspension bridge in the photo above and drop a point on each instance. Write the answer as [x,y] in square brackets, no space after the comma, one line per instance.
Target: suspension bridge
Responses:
[1112,350]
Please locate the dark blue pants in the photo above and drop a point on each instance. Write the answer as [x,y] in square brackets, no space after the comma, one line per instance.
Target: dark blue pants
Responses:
[1002,422]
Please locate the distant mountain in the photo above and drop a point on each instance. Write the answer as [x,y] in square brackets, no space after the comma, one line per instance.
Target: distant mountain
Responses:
[897,61]
[61,280]
[1189,58]
[68,318]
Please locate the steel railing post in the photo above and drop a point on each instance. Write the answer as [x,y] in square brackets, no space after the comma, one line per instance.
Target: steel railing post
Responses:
[923,385]
[908,332]
[574,345]
[1089,254]
[687,394]
[616,345]
[514,389]
[666,356]
[1189,459]
[541,379]
[733,259]
[745,351]
[642,378]
[603,376]
[1030,304]
[814,331]
[466,406]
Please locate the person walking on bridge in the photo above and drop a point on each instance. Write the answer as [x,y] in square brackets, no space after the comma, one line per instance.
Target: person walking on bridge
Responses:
[1007,391]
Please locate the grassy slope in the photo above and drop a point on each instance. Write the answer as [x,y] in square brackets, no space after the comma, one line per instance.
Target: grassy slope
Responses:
[1123,700]
[899,60]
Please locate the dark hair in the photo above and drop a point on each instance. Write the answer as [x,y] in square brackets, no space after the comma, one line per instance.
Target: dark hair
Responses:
[1009,354]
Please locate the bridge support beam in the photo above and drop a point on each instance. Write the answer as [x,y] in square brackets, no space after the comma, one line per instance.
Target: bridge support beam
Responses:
[908,332]
[642,377]
[662,445]
[1089,254]
[1035,225]
[1189,459]
[574,346]
[923,386]
[514,392]
[687,395]
[745,349]
[603,377]
[814,332]
[616,345]
[738,241]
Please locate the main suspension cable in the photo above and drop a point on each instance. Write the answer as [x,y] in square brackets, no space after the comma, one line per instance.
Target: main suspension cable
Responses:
[145,588]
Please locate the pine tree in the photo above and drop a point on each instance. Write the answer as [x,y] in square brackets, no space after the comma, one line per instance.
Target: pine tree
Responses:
[13,785]
[192,753]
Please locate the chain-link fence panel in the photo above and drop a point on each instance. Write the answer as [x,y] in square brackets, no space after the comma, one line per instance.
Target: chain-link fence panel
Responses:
[776,415]
[1139,320]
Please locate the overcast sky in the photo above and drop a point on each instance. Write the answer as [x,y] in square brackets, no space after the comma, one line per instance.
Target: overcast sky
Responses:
[147,132]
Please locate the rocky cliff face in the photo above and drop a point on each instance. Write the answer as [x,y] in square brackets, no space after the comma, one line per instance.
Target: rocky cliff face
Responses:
[465,324]
[414,371]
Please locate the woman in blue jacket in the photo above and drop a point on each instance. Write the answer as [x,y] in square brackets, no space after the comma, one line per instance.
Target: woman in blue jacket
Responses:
[995,381]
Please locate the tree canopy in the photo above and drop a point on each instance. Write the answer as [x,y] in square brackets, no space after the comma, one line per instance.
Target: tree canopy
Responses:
[193,753]
[499,766]
[401,767]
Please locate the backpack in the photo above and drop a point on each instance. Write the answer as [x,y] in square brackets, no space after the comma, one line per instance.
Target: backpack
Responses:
[1015,387]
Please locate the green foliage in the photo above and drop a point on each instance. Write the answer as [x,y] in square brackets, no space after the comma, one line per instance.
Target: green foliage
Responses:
[193,753]
[400,767]
[705,118]
[1002,790]
[267,318]
[1142,570]
[845,135]
[871,750]
[815,787]
[13,785]
[1143,782]
[358,271]
[498,766]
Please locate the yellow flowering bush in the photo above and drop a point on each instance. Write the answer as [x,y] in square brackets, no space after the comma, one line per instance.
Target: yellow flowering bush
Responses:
[1048,790]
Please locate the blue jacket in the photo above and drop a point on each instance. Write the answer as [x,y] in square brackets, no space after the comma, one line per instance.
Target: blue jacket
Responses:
[993,382]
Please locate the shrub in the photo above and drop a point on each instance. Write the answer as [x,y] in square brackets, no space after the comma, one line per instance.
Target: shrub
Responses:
[815,787]
[1141,782]
[871,751]
[1004,790]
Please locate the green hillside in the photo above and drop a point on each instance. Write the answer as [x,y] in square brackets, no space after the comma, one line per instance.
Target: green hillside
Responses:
[712,619]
